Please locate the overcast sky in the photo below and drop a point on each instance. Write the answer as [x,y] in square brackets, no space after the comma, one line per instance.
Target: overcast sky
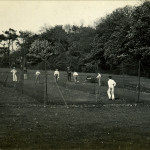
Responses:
[32,15]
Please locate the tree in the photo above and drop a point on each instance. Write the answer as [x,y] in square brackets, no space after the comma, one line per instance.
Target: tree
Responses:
[79,45]
[9,37]
[111,32]
[24,41]
[44,50]
[3,49]
[139,34]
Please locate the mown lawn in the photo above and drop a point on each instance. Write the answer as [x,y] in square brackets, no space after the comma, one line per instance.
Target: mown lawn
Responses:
[125,91]
[27,124]
[91,121]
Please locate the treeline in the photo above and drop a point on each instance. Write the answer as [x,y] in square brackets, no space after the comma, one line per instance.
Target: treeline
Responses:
[121,38]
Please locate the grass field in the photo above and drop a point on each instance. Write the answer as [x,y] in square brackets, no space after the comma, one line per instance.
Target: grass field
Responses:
[90,123]
[82,92]
[26,124]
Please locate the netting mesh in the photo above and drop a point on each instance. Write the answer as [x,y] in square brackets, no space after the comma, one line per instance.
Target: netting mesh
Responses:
[84,91]
[72,93]
[24,86]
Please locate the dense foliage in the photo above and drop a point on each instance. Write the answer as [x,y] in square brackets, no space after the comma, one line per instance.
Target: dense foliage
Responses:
[122,37]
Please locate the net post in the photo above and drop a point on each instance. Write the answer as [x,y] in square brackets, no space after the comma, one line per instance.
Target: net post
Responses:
[123,81]
[139,80]
[22,74]
[45,97]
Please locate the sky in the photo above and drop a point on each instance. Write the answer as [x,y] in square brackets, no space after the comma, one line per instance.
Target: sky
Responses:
[33,15]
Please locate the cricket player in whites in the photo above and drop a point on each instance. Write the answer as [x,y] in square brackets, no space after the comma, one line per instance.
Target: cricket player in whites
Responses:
[37,74]
[75,75]
[111,86]
[99,79]
[14,71]
[56,75]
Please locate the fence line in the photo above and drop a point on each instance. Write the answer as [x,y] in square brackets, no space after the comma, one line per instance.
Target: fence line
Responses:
[125,90]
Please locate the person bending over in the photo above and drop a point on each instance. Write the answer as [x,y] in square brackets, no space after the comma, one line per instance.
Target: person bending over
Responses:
[56,75]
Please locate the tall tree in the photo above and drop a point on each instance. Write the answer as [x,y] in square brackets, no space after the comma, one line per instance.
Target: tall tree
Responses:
[110,38]
[25,39]
[10,37]
[139,34]
[41,49]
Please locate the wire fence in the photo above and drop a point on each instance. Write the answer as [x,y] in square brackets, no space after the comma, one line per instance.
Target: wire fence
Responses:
[27,86]
[84,91]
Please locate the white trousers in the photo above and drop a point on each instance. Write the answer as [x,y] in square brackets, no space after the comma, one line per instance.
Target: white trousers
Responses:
[75,78]
[14,77]
[37,80]
[99,82]
[110,93]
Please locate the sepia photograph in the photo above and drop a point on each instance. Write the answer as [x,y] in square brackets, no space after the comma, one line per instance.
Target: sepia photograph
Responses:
[75,75]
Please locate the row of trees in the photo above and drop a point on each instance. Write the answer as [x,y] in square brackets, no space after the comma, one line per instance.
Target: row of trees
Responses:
[71,44]
[120,37]
[123,37]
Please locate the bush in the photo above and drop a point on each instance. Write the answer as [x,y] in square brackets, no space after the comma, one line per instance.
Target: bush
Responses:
[90,68]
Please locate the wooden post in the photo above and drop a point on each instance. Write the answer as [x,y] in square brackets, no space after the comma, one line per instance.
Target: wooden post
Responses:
[123,81]
[95,82]
[139,79]
[22,74]
[45,98]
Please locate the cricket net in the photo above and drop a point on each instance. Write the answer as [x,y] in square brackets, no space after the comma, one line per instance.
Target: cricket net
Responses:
[86,91]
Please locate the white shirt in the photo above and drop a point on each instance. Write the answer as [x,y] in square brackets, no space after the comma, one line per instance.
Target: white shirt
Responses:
[98,76]
[37,73]
[75,74]
[111,83]
[14,71]
[56,73]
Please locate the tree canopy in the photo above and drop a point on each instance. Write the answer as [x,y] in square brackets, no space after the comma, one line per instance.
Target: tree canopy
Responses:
[120,37]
